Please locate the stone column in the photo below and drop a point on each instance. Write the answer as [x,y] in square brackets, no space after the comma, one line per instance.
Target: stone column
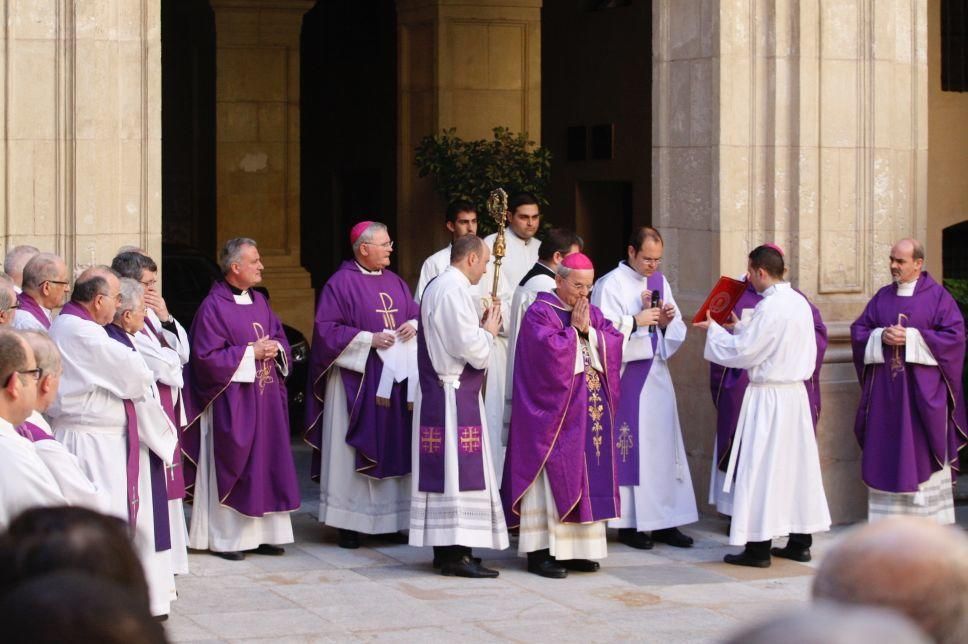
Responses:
[257,142]
[470,65]
[800,122]
[81,127]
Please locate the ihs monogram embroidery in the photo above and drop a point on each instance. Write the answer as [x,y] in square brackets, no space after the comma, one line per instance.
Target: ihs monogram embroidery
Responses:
[625,443]
[595,407]
[263,374]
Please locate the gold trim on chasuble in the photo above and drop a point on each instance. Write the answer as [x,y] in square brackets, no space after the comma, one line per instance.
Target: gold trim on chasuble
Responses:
[595,408]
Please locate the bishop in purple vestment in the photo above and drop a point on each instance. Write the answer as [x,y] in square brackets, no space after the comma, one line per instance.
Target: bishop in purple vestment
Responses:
[239,465]
[560,474]
[909,351]
[359,404]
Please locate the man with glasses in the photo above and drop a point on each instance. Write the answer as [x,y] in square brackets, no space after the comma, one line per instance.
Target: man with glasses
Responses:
[45,287]
[8,305]
[559,481]
[363,365]
[656,486]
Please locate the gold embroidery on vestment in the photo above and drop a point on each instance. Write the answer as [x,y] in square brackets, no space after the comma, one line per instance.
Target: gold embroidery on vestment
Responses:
[389,321]
[263,374]
[595,408]
[625,443]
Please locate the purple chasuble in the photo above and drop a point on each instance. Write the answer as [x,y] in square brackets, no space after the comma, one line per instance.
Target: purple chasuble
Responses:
[353,301]
[561,422]
[728,386]
[156,467]
[254,470]
[433,411]
[911,417]
[32,432]
[174,476]
[630,394]
[29,304]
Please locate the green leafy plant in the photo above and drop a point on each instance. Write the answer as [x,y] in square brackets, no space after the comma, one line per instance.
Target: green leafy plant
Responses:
[472,169]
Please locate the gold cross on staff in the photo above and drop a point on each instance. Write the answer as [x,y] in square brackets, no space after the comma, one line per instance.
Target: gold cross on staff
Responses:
[389,321]
[430,440]
[470,439]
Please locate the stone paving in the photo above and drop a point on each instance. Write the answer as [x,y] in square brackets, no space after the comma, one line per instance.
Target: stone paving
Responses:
[318,592]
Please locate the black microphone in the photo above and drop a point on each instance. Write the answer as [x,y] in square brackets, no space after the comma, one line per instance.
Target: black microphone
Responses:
[655,303]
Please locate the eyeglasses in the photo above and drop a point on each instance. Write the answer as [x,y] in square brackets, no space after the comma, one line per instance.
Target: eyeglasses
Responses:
[36,373]
[388,245]
[58,282]
[650,260]
[12,307]
[149,283]
[581,288]
[116,298]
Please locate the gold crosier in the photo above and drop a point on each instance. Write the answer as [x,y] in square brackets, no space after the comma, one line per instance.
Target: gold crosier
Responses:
[497,207]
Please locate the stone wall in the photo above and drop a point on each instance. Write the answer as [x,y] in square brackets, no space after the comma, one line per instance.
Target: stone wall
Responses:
[80,171]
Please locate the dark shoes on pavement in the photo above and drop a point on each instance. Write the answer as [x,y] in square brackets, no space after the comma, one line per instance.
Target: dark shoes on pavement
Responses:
[540,562]
[673,537]
[792,552]
[467,566]
[634,539]
[229,555]
[263,549]
[579,565]
[349,539]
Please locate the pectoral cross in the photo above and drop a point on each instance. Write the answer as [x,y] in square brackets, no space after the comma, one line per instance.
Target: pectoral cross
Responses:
[897,363]
[263,373]
[470,440]
[389,321]
[430,440]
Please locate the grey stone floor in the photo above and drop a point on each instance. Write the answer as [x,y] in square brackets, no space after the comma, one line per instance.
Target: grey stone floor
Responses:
[318,592]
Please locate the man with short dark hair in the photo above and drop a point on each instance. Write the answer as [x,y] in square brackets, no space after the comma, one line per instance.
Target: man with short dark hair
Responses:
[45,284]
[460,219]
[239,467]
[774,466]
[909,352]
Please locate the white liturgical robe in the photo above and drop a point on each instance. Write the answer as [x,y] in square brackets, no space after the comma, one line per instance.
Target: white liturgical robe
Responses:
[66,469]
[432,267]
[25,321]
[664,497]
[25,481]
[451,327]
[774,467]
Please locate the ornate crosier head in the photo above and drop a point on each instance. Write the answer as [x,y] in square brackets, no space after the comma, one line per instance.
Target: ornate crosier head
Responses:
[497,206]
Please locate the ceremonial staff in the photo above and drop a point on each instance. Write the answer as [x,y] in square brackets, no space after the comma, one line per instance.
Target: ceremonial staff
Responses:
[497,207]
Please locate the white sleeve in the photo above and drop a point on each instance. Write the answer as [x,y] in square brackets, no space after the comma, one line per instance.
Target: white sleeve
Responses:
[356,353]
[66,469]
[466,339]
[25,482]
[916,350]
[155,430]
[178,341]
[165,364]
[742,350]
[674,335]
[874,351]
[425,277]
[638,344]
[246,369]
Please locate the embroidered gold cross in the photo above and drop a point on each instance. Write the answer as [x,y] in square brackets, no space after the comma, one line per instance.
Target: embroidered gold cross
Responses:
[470,440]
[595,409]
[389,321]
[263,374]
[430,440]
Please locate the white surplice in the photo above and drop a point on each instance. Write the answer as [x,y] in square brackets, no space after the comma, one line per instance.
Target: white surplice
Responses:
[88,417]
[774,466]
[25,481]
[935,498]
[218,527]
[25,321]
[664,497]
[166,363]
[431,268]
[451,327]
[66,469]
[347,499]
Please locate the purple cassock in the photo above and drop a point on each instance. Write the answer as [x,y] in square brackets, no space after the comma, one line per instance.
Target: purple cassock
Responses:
[562,422]
[728,386]
[254,470]
[911,417]
[353,301]
[30,305]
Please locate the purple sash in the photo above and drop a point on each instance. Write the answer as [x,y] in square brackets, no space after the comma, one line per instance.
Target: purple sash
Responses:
[174,477]
[133,462]
[433,409]
[32,432]
[630,393]
[29,304]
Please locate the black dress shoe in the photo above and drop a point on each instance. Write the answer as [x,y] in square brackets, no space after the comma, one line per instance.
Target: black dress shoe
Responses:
[794,553]
[229,555]
[268,549]
[634,539]
[745,558]
[349,539]
[673,537]
[393,537]
[541,563]
[438,563]
[465,566]
[579,565]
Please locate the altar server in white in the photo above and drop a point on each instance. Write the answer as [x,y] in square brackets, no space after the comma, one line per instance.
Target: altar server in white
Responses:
[460,219]
[774,467]
[654,479]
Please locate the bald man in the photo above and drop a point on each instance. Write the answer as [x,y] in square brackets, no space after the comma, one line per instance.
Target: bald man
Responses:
[906,564]
[909,350]
[45,284]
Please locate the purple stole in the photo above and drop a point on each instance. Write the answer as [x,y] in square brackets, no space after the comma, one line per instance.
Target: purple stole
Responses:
[911,417]
[433,409]
[630,393]
[32,432]
[175,480]
[561,422]
[30,305]
[156,467]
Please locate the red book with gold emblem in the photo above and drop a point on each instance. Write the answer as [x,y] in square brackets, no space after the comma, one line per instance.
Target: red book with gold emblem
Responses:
[721,300]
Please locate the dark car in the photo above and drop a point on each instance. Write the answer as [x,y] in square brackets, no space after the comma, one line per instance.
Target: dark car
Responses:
[186,277]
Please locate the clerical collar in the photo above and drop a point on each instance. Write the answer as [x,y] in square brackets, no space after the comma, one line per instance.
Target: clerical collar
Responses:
[366,271]
[518,237]
[237,291]
[634,273]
